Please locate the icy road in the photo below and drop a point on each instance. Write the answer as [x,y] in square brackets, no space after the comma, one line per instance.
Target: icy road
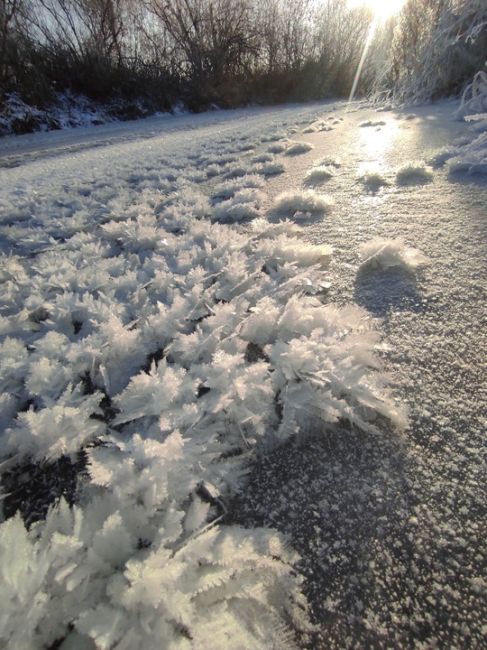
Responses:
[389,522]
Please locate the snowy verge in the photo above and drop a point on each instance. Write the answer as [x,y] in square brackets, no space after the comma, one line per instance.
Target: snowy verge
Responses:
[469,157]
[67,111]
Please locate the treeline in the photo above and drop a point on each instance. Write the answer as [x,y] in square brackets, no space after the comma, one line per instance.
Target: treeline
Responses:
[151,54]
[200,52]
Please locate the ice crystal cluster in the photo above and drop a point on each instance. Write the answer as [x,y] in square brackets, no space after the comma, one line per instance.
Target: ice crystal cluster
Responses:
[383,254]
[164,342]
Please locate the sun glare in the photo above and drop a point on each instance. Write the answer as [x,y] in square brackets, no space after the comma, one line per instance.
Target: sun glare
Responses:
[382,9]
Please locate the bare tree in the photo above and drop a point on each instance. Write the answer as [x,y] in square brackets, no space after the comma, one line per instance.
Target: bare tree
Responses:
[10,18]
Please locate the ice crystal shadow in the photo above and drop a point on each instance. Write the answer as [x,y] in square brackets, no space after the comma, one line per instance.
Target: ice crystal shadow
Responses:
[380,292]
[346,486]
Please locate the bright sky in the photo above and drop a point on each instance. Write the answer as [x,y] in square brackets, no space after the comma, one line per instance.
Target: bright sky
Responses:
[382,8]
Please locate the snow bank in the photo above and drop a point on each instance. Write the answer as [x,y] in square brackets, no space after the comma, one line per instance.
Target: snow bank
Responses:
[474,98]
[414,173]
[384,254]
[301,205]
[68,110]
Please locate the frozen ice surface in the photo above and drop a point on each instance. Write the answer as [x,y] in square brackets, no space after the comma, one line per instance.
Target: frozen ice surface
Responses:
[168,345]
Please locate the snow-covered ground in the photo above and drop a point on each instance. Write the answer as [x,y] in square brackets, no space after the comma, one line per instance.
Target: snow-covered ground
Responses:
[190,299]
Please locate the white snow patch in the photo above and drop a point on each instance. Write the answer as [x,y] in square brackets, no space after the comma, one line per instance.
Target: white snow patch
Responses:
[122,289]
[273,137]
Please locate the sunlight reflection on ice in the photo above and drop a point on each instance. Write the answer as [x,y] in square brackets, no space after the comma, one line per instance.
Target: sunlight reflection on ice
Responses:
[375,143]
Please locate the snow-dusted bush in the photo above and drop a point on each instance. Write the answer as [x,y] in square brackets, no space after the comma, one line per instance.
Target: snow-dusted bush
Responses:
[414,173]
[474,98]
[301,204]
[384,254]
[328,161]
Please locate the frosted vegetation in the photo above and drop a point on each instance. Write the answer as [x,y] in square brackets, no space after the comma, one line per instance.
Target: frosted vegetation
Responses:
[157,333]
